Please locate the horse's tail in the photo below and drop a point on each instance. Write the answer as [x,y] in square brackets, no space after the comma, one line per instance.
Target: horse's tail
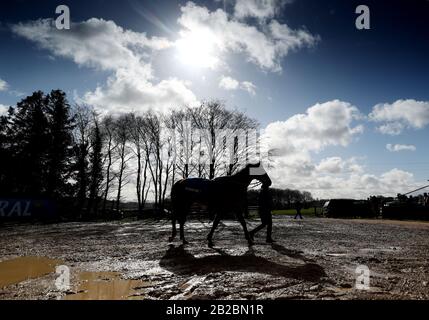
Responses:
[177,191]
[175,195]
[175,198]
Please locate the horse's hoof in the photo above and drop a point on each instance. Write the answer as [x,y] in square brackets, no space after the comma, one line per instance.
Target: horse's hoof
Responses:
[250,242]
[170,239]
[270,240]
[251,237]
[185,242]
[210,244]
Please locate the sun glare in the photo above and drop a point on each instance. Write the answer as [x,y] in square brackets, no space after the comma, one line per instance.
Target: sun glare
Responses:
[197,48]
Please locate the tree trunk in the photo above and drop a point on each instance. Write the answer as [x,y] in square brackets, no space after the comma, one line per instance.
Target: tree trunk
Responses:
[109,165]
[121,172]
[143,193]
[212,171]
[138,184]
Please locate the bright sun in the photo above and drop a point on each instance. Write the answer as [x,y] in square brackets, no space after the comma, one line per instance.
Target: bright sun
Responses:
[197,48]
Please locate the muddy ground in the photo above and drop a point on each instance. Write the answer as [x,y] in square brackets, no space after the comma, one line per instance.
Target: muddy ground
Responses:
[314,258]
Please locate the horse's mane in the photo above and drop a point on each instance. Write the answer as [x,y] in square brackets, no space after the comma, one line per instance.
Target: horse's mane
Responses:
[242,170]
[246,168]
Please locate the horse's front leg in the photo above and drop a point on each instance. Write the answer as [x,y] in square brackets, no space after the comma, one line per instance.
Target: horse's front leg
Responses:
[243,224]
[214,226]
[254,231]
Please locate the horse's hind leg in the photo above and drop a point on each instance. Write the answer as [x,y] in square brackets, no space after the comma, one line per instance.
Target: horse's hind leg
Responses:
[182,231]
[173,232]
[174,211]
[214,226]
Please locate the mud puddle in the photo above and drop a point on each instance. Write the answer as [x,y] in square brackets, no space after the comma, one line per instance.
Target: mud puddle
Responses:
[90,285]
[25,268]
[107,286]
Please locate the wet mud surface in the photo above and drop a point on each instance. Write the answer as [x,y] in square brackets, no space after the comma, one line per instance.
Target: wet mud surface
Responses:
[314,258]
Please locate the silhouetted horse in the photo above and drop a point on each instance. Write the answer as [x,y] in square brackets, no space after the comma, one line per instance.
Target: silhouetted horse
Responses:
[221,195]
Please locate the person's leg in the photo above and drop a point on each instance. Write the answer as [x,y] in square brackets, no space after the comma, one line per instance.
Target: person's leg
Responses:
[269,229]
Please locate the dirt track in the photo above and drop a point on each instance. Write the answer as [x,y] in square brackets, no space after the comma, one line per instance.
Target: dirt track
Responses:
[312,259]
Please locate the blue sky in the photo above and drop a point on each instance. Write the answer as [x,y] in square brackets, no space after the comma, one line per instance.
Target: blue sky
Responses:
[316,59]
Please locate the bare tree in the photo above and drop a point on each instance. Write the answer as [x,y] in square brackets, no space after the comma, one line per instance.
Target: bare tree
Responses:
[210,118]
[108,125]
[137,138]
[121,136]
[180,124]
[223,135]
[151,132]
[96,165]
[168,156]
[159,147]
[240,146]
[82,135]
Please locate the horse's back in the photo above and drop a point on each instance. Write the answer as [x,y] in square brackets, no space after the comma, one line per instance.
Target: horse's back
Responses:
[197,183]
[222,193]
[228,187]
[191,187]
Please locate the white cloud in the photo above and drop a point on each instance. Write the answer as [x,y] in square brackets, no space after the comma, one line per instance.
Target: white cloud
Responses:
[249,87]
[264,45]
[331,165]
[295,140]
[338,178]
[400,147]
[229,83]
[3,85]
[401,114]
[3,109]
[125,93]
[260,9]
[392,128]
[337,165]
[106,46]
[323,125]
[94,43]
[291,143]
[398,177]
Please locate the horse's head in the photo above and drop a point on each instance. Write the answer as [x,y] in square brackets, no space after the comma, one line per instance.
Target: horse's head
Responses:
[256,171]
